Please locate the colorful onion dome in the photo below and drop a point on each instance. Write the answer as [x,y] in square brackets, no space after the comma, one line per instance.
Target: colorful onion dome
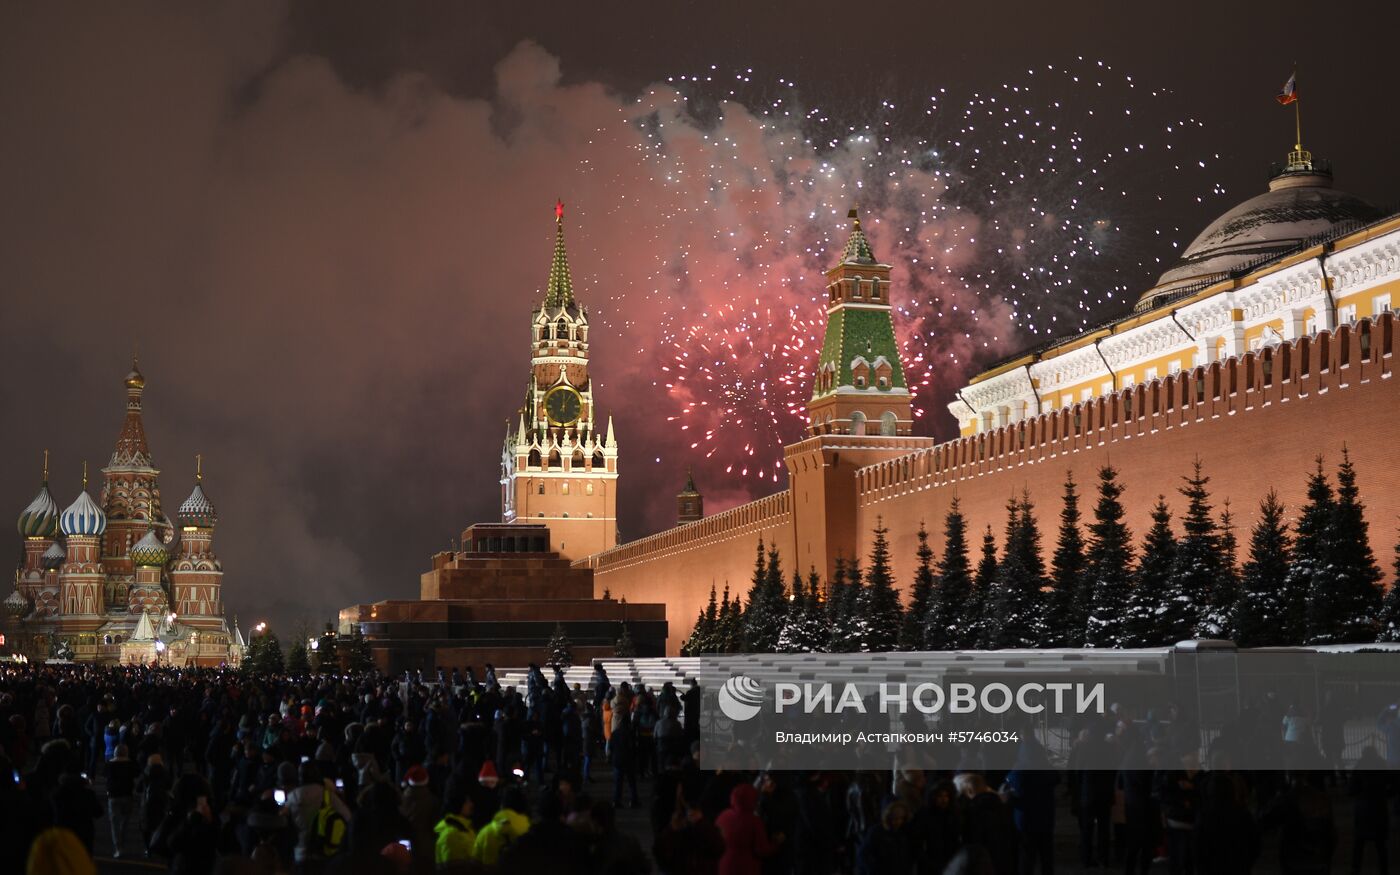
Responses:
[149,550]
[16,605]
[54,557]
[83,517]
[40,518]
[198,510]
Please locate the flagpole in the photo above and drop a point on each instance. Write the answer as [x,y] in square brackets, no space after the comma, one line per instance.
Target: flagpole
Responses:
[1297,111]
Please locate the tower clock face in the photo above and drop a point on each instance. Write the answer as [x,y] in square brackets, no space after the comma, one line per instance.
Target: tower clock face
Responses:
[563,405]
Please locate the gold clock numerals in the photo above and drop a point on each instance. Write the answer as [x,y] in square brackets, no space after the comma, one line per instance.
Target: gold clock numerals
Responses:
[562,405]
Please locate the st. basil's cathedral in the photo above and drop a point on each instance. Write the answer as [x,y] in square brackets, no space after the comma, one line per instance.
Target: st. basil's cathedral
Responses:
[116,581]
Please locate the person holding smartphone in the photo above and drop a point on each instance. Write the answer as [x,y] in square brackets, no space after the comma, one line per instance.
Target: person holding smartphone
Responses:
[189,834]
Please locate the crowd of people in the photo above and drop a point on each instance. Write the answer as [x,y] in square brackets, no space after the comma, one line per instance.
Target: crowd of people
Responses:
[220,771]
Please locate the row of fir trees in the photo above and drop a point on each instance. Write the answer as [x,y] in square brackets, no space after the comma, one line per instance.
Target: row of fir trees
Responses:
[1314,581]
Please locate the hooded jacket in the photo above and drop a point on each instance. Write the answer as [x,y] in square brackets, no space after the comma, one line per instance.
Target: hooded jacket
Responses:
[456,840]
[745,838]
[507,826]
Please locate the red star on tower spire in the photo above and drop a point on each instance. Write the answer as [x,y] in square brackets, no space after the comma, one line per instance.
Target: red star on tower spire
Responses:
[558,210]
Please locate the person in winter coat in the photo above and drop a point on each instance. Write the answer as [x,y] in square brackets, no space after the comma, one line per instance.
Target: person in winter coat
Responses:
[1179,796]
[189,834]
[817,834]
[510,823]
[746,841]
[1091,796]
[1142,817]
[111,737]
[1227,838]
[1371,786]
[1307,828]
[1031,791]
[936,829]
[121,796]
[885,849]
[421,808]
[987,822]
[154,787]
[454,837]
[75,807]
[689,844]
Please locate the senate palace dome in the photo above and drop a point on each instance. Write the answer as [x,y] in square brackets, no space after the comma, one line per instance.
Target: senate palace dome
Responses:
[1300,205]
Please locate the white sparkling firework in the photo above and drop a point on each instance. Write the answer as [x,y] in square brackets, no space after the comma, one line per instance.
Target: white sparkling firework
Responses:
[1005,224]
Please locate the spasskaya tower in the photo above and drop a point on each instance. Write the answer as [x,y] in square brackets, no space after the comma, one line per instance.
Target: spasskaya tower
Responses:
[556,468]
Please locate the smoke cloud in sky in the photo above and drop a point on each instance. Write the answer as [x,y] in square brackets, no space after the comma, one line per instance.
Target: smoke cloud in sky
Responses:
[328,282]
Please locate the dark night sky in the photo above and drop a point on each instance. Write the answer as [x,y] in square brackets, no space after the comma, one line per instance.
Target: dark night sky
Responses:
[324,228]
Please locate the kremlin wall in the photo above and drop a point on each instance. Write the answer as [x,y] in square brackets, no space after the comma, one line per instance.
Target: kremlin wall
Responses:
[1291,356]
[1270,341]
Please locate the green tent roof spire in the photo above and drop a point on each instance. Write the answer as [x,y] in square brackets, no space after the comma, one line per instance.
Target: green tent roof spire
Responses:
[857,247]
[560,293]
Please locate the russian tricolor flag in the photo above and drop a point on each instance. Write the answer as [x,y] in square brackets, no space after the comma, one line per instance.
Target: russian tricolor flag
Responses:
[1290,91]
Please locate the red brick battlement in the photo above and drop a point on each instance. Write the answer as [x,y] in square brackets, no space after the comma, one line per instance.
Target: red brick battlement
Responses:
[752,518]
[1256,421]
[1291,372]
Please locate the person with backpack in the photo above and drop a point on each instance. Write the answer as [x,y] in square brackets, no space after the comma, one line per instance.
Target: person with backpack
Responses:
[318,815]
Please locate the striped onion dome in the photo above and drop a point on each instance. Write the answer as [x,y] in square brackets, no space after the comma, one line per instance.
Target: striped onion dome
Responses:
[54,556]
[16,605]
[198,510]
[83,517]
[40,518]
[149,550]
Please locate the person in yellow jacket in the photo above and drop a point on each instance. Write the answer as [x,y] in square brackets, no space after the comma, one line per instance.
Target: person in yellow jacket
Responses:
[509,824]
[455,840]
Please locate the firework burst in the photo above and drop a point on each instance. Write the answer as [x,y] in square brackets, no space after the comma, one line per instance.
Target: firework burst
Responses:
[1004,224]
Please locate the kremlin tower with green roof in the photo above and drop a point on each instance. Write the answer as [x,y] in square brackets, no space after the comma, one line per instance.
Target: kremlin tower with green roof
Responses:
[859,386]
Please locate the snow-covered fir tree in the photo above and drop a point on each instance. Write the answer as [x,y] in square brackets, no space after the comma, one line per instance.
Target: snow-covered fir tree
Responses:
[702,636]
[1344,605]
[1308,574]
[845,626]
[1197,566]
[878,612]
[814,630]
[1110,566]
[560,650]
[1068,608]
[836,605]
[763,621]
[1390,609]
[1219,621]
[943,629]
[1153,596]
[729,631]
[1016,619]
[804,625]
[971,628]
[1263,616]
[911,631]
